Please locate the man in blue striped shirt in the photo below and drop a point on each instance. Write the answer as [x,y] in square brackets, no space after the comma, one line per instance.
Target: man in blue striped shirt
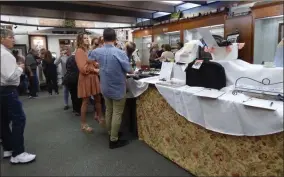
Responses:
[114,64]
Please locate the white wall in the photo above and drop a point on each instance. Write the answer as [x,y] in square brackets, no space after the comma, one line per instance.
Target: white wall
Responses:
[53,43]
[266,39]
[22,39]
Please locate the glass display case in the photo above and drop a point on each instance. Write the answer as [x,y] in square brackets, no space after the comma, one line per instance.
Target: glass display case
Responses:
[171,38]
[143,44]
[268,32]
[192,34]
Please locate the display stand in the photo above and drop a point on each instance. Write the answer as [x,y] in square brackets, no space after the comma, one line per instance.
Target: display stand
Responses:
[262,88]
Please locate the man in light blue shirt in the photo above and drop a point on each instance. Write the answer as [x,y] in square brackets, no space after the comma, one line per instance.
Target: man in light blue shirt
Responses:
[114,64]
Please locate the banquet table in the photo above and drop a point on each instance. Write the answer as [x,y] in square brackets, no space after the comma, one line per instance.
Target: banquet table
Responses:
[209,150]
[212,137]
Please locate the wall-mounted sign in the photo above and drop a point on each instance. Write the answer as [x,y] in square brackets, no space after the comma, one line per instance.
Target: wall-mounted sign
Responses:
[65,23]
[50,22]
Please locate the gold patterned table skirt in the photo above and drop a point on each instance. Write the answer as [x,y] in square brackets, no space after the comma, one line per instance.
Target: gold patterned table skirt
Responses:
[203,152]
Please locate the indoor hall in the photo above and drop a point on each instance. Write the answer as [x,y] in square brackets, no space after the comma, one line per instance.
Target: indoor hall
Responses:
[202,96]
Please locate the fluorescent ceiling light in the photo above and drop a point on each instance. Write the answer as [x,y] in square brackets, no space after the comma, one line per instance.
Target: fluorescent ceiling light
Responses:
[172,2]
[160,14]
[187,6]
[208,2]
[172,32]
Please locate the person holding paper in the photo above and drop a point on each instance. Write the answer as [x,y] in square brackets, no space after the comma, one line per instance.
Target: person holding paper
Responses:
[10,105]
[114,64]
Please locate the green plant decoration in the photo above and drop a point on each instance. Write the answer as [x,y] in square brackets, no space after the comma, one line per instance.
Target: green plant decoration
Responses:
[69,23]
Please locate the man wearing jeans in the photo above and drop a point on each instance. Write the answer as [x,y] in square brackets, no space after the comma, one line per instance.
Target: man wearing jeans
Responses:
[10,106]
[114,64]
[31,65]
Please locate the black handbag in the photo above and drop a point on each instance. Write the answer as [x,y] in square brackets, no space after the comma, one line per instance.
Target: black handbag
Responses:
[209,75]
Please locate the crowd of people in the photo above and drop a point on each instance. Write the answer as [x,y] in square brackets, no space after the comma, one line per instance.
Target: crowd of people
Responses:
[97,71]
[157,55]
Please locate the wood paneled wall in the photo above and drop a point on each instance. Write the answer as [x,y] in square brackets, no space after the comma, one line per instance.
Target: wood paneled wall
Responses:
[141,33]
[164,28]
[203,21]
[245,26]
[268,10]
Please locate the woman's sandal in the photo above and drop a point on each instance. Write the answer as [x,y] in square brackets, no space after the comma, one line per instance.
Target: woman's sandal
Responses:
[100,120]
[86,128]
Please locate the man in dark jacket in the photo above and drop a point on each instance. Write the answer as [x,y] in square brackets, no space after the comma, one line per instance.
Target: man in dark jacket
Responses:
[70,80]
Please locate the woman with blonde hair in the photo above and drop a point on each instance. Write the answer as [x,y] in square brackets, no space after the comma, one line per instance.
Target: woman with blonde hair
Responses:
[88,83]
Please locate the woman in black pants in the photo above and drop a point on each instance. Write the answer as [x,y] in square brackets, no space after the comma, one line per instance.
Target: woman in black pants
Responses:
[71,81]
[50,69]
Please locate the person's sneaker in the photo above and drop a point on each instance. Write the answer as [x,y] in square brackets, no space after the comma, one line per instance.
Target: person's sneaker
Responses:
[7,154]
[57,93]
[77,114]
[66,108]
[23,158]
[117,144]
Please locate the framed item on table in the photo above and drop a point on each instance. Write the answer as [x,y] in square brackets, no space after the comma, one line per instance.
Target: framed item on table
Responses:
[22,48]
[233,38]
[38,42]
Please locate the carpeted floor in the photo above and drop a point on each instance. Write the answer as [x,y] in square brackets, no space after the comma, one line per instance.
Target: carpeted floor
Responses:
[63,150]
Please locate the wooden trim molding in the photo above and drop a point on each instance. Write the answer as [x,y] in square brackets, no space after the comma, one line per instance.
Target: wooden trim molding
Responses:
[203,21]
[164,28]
[268,10]
[142,33]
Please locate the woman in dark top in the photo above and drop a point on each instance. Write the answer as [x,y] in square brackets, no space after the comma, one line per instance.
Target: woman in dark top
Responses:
[50,69]
[70,80]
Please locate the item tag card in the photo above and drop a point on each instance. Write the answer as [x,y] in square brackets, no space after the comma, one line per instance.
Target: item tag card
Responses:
[197,64]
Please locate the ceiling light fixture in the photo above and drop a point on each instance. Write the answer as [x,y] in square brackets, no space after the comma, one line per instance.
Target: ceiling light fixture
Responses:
[188,5]
[209,2]
[172,2]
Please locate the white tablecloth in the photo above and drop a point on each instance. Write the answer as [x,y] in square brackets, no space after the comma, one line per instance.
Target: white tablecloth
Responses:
[226,114]
[135,88]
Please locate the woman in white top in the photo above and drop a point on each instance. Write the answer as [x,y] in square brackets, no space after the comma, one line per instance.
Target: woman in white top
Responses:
[167,54]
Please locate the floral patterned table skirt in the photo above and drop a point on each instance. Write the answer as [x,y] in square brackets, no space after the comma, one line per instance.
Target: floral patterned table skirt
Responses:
[203,152]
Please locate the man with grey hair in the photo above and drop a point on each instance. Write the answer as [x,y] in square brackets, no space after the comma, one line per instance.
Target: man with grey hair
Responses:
[11,109]
[31,64]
